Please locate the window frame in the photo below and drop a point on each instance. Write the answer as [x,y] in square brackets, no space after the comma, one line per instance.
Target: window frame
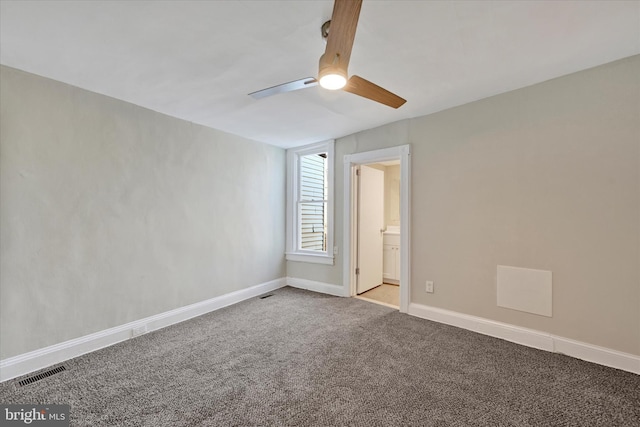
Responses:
[293,250]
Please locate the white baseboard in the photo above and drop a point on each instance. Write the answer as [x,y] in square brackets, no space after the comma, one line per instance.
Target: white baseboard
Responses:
[38,359]
[323,288]
[530,338]
[596,354]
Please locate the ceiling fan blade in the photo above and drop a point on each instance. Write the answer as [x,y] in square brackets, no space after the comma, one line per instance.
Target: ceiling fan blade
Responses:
[359,86]
[342,32]
[285,87]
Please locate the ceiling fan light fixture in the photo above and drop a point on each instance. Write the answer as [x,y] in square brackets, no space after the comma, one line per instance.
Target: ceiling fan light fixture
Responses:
[333,81]
[339,34]
[332,78]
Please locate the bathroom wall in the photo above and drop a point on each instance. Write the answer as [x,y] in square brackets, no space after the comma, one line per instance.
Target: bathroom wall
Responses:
[392,195]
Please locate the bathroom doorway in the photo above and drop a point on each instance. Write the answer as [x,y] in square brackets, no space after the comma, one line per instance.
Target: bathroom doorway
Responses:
[376,218]
[378,232]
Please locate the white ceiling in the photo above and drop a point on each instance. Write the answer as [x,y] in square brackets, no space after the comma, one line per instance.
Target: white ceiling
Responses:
[198,60]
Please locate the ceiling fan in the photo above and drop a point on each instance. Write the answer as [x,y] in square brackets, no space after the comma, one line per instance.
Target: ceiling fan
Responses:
[332,73]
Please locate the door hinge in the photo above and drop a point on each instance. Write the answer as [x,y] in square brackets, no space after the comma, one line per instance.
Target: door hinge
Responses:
[358,270]
[358,172]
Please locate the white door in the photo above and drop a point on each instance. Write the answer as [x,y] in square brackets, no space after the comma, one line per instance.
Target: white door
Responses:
[370,226]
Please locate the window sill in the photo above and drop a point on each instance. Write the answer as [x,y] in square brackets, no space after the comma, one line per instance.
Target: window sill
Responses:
[316,259]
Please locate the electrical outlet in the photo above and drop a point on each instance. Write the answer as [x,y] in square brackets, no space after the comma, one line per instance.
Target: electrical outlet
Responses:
[140,330]
[429,286]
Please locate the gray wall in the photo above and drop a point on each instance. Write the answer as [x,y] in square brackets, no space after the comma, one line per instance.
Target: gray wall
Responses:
[110,212]
[545,177]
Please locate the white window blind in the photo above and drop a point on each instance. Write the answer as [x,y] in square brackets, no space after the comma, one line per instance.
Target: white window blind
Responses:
[312,203]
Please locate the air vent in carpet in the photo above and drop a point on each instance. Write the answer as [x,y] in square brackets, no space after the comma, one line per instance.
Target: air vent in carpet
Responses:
[42,375]
[266,296]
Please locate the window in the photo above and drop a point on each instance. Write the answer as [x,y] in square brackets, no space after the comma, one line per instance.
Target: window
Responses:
[310,203]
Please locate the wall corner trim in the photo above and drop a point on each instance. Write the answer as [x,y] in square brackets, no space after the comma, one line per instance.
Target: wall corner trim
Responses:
[530,338]
[321,287]
[38,359]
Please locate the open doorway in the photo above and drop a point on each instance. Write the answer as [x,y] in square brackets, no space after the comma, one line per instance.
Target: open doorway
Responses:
[376,237]
[378,232]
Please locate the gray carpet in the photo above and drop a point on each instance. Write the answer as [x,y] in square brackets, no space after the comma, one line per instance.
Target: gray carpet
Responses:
[307,359]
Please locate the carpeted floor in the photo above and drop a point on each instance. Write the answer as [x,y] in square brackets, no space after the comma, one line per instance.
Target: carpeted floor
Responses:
[307,359]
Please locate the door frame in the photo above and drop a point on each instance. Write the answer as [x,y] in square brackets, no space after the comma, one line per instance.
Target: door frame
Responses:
[402,153]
